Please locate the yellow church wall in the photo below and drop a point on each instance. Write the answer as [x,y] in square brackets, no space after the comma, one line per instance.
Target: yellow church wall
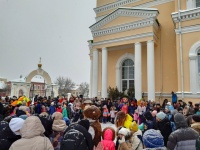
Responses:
[183,5]
[123,34]
[189,22]
[104,2]
[121,20]
[144,68]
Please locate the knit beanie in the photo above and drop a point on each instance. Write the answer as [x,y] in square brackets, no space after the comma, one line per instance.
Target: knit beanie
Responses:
[133,127]
[59,125]
[180,121]
[153,139]
[16,124]
[161,115]
[85,123]
[124,131]
[196,118]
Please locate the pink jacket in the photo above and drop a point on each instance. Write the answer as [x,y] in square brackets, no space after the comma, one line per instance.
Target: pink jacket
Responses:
[107,143]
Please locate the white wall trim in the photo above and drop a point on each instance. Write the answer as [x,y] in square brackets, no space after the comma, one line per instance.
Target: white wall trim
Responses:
[119,68]
[137,36]
[125,27]
[194,77]
[186,15]
[188,29]
[125,11]
[121,3]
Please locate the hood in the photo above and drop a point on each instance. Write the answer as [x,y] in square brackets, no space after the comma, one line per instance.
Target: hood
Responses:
[180,121]
[32,127]
[108,135]
[59,125]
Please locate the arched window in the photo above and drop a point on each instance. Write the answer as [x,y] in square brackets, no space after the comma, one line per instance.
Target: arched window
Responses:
[127,74]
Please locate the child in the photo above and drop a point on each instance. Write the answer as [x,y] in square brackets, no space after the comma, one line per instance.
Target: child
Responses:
[136,116]
[108,136]
[105,113]
[124,139]
[112,114]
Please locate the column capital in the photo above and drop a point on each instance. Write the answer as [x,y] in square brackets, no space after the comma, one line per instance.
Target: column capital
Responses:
[95,50]
[150,41]
[104,48]
[137,43]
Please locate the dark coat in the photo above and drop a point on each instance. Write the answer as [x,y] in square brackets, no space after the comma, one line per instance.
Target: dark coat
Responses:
[76,137]
[165,128]
[7,137]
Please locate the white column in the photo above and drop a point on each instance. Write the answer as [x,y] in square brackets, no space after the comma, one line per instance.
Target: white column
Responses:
[138,71]
[91,71]
[150,70]
[95,73]
[104,72]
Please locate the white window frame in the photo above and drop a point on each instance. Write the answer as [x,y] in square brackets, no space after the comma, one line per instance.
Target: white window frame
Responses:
[191,4]
[119,68]
[194,74]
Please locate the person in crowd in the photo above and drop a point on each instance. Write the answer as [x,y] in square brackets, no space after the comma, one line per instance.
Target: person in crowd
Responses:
[141,110]
[131,108]
[105,114]
[196,123]
[136,116]
[153,140]
[164,104]
[112,114]
[1,107]
[59,109]
[184,138]
[188,111]
[190,104]
[136,139]
[154,112]
[174,98]
[196,108]
[32,136]
[157,107]
[108,137]
[77,137]
[69,111]
[64,111]
[38,108]
[164,125]
[181,103]
[52,109]
[58,127]
[148,123]
[124,135]
[10,133]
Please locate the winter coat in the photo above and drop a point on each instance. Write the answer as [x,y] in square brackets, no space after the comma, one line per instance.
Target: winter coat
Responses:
[125,146]
[47,124]
[32,138]
[64,112]
[52,109]
[59,110]
[105,112]
[107,142]
[196,126]
[97,129]
[76,137]
[165,129]
[136,142]
[198,144]
[131,110]
[56,139]
[38,108]
[112,113]
[184,138]
[7,137]
[141,110]
[69,112]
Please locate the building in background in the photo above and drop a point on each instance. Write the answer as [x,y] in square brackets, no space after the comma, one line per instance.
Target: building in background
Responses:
[152,46]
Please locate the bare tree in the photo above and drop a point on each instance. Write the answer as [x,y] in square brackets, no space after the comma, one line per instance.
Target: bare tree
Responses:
[65,85]
[84,88]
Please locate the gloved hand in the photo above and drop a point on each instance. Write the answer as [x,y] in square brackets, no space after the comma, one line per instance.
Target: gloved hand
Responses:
[122,140]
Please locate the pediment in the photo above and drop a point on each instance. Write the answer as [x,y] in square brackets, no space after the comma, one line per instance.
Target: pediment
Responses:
[124,15]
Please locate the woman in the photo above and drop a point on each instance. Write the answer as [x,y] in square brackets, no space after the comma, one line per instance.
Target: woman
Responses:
[32,136]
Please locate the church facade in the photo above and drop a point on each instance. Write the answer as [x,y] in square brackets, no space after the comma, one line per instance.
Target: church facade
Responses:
[152,46]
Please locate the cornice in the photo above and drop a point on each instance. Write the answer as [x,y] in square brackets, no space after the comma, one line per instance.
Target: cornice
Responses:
[137,36]
[122,3]
[124,27]
[132,12]
[186,15]
[188,29]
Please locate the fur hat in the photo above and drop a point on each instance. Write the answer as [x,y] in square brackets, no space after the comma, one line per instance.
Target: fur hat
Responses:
[59,125]
[120,119]
[92,112]
[57,116]
[107,132]
[124,131]
[134,127]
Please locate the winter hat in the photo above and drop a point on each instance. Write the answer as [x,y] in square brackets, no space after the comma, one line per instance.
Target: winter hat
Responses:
[124,131]
[153,139]
[59,125]
[161,115]
[20,112]
[180,121]
[85,123]
[52,103]
[16,124]
[57,116]
[196,118]
[134,127]
[154,112]
[169,103]
[108,133]
[148,115]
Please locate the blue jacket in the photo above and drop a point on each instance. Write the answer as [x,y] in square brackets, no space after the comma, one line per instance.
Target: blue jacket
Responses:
[52,109]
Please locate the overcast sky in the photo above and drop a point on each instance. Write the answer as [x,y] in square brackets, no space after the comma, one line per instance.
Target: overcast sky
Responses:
[56,30]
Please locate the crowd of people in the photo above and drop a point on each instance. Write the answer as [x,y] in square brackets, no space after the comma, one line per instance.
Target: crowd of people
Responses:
[76,124]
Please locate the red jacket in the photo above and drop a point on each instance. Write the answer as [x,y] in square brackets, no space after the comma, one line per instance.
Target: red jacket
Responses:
[59,109]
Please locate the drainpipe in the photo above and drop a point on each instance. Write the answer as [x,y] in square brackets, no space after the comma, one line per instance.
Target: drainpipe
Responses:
[181,50]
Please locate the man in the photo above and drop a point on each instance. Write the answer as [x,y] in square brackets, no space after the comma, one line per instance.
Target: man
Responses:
[1,107]
[174,98]
[184,138]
